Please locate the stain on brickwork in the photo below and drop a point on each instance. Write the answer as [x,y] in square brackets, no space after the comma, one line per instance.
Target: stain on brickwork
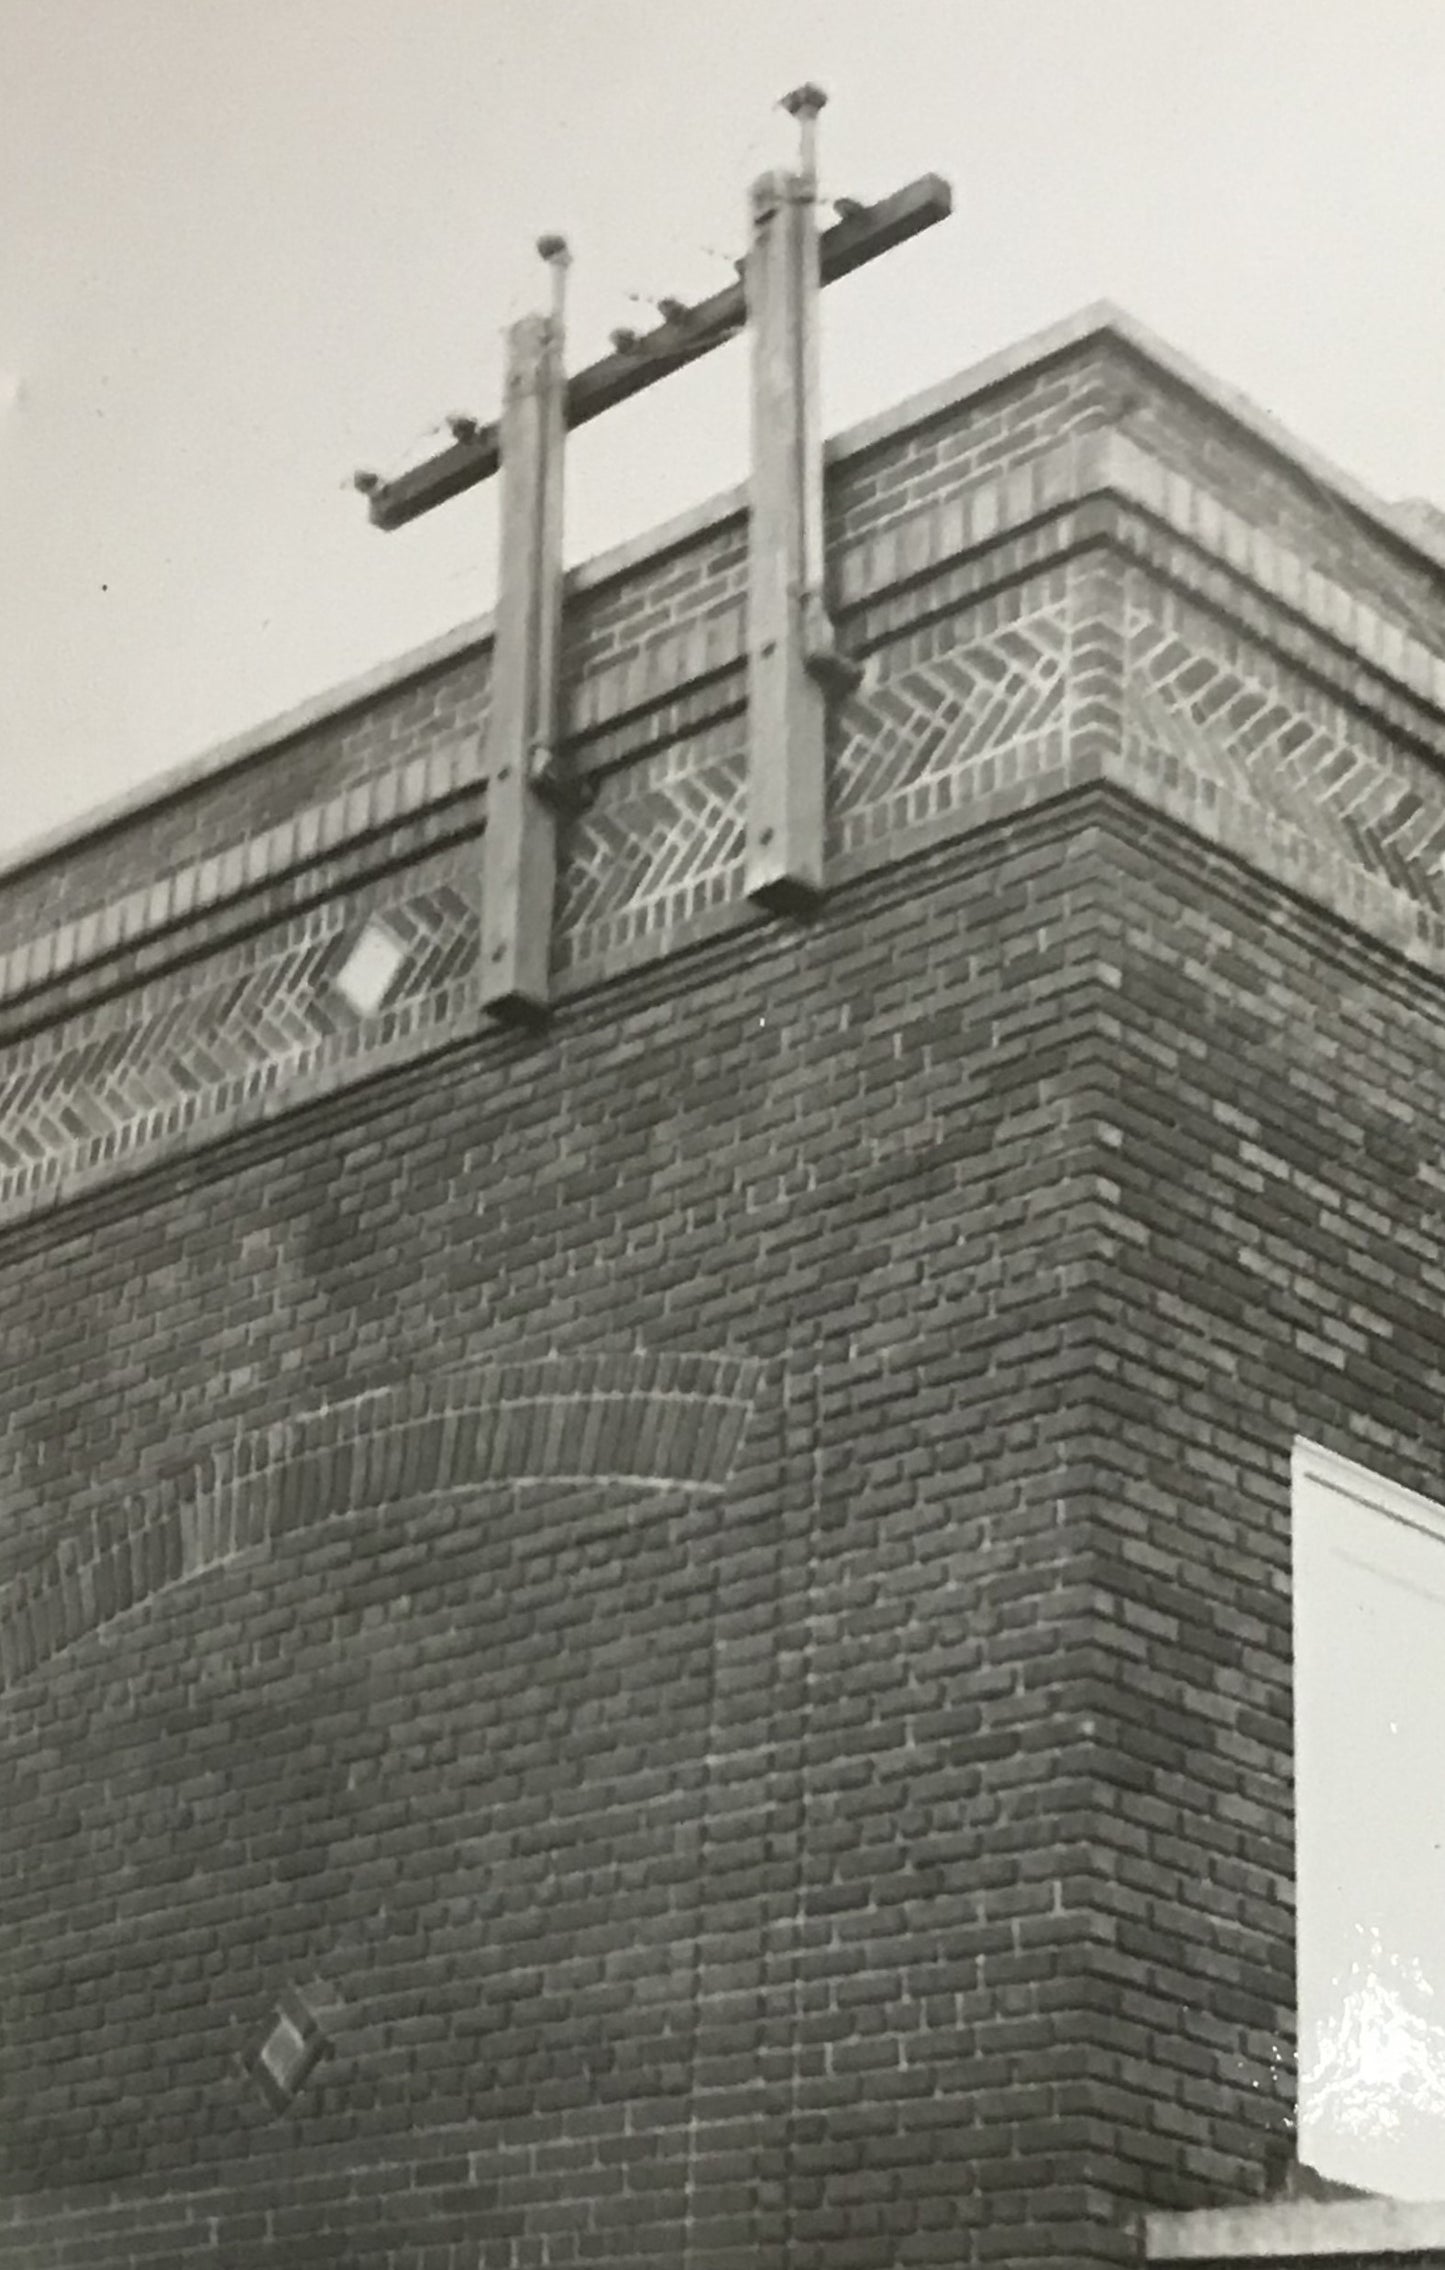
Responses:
[671,1638]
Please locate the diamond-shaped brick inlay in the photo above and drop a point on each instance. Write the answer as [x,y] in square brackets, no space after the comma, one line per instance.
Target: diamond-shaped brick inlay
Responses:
[369,971]
[1245,746]
[910,740]
[290,2052]
[108,1083]
[662,841]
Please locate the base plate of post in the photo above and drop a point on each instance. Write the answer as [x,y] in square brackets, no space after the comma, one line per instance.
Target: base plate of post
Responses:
[787,894]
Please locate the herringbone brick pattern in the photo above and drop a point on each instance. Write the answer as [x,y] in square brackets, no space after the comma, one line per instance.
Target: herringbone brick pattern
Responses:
[956,715]
[1208,717]
[193,1043]
[944,702]
[662,842]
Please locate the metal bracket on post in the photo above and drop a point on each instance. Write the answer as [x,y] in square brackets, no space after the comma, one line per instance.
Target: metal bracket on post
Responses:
[794,662]
[525,787]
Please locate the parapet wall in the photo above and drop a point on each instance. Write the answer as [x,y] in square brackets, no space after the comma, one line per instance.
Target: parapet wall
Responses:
[1067,566]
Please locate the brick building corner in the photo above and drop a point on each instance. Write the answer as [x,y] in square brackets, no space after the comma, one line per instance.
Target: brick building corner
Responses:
[669,1638]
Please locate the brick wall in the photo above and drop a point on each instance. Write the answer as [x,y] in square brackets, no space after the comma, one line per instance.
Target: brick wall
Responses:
[1271,1266]
[670,1638]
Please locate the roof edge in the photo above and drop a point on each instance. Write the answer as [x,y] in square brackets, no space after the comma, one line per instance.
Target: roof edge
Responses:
[1100,318]
[1385,517]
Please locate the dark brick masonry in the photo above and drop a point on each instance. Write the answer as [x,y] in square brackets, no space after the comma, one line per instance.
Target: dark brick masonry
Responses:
[670,1640]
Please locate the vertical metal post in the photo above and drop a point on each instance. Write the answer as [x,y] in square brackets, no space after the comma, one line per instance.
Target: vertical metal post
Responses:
[792,657]
[519,854]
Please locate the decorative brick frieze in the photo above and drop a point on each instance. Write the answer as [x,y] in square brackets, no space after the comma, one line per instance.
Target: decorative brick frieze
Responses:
[664,691]
[656,854]
[653,1422]
[1393,644]
[316,848]
[1217,732]
[948,713]
[208,1041]
[918,562]
[1107,462]
[353,876]
[961,556]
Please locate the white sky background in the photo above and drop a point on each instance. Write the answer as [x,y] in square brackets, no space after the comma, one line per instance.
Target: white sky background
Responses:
[249,245]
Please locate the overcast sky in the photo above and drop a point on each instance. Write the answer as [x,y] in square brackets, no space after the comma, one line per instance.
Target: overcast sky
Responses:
[249,245]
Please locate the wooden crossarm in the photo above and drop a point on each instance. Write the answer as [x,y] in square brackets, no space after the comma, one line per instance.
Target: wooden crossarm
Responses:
[862,236]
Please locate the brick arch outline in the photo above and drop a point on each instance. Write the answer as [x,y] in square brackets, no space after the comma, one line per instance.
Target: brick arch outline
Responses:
[661,1421]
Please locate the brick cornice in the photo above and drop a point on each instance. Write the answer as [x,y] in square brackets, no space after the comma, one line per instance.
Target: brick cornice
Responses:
[998,678]
[919,555]
[940,556]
